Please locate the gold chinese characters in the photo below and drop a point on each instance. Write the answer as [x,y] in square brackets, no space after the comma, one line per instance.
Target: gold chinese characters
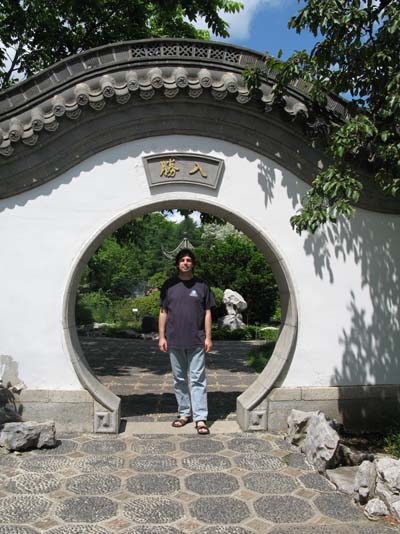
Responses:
[197,168]
[169,169]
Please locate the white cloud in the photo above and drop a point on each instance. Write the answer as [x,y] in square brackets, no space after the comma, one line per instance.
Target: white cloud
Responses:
[240,23]
[176,217]
[196,217]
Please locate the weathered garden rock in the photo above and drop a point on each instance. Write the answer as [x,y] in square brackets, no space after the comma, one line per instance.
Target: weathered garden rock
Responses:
[389,472]
[8,410]
[388,483]
[375,509]
[395,509]
[20,436]
[382,491]
[365,481]
[235,304]
[347,456]
[343,478]
[8,415]
[320,443]
[297,425]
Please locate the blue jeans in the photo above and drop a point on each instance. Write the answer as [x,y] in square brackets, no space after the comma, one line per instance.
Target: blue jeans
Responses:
[192,361]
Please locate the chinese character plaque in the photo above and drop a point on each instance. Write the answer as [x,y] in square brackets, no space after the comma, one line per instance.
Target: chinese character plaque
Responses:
[173,168]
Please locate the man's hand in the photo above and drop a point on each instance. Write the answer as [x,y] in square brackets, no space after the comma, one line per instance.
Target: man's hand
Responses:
[207,345]
[162,344]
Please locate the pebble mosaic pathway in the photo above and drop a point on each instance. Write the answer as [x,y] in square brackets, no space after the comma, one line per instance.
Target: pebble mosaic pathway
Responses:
[170,484]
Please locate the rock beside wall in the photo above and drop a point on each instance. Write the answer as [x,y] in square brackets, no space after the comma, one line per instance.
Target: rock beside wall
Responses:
[21,436]
[315,436]
[373,482]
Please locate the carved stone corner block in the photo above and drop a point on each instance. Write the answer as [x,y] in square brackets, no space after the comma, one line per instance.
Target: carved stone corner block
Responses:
[106,422]
[258,420]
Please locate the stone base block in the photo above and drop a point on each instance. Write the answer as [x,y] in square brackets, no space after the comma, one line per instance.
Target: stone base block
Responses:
[358,408]
[72,411]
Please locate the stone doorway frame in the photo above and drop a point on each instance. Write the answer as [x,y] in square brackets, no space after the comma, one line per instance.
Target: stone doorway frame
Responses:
[252,404]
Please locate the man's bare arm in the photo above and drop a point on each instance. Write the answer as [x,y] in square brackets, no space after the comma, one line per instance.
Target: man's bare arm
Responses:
[207,328]
[162,321]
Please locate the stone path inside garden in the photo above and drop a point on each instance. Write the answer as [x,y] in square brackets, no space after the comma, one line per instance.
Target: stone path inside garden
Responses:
[154,479]
[139,373]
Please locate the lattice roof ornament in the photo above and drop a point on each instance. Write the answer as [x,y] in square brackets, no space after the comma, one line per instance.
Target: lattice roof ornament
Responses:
[185,243]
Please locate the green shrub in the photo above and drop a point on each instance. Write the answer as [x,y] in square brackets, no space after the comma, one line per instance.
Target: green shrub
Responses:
[148,305]
[258,357]
[122,311]
[94,306]
[219,309]
[246,334]
[267,334]
[218,295]
[277,316]
[83,314]
[392,443]
[222,334]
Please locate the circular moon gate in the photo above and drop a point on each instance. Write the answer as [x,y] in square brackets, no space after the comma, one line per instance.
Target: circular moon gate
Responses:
[108,135]
[251,405]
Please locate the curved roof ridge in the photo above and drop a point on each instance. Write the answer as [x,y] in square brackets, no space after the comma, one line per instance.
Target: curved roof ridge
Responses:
[145,52]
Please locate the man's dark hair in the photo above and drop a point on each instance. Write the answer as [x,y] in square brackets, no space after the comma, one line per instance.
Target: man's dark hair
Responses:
[185,252]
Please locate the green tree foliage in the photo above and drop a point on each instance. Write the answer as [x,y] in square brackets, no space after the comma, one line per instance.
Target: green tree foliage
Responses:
[114,268]
[132,256]
[146,235]
[41,33]
[236,263]
[358,55]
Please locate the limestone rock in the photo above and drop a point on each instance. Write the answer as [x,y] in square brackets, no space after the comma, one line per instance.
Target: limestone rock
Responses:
[395,509]
[347,456]
[388,483]
[8,414]
[389,472]
[365,480]
[235,304]
[343,478]
[232,322]
[297,425]
[20,436]
[320,443]
[8,410]
[375,509]
[383,492]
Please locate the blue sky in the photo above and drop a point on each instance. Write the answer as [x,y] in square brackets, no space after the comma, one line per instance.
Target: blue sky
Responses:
[262,25]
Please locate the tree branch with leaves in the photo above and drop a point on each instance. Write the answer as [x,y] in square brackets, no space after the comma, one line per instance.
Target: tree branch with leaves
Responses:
[357,55]
[38,34]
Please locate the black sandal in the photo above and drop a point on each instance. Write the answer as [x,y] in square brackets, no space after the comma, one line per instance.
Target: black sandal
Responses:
[181,421]
[202,430]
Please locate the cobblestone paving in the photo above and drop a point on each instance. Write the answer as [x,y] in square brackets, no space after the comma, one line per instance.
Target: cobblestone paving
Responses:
[171,483]
[234,483]
[136,371]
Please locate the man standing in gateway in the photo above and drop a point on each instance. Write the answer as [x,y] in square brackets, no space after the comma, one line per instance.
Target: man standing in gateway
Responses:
[185,332]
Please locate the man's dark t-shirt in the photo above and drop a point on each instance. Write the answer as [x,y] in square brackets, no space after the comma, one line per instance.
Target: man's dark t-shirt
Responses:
[185,302]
